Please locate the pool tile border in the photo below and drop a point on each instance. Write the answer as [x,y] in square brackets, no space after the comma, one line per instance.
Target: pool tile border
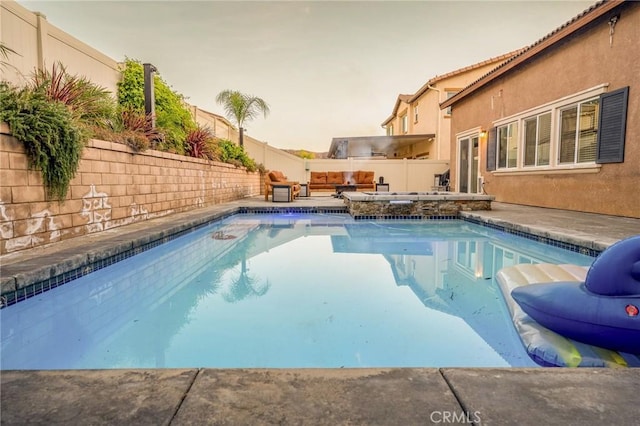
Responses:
[161,237]
[405,217]
[538,238]
[268,210]
[30,290]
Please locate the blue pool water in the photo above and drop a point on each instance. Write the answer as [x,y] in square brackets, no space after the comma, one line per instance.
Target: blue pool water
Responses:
[286,291]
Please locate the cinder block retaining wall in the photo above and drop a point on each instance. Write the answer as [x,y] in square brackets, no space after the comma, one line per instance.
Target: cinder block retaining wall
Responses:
[114,187]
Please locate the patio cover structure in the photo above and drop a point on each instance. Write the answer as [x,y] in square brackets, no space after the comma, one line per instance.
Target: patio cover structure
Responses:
[392,147]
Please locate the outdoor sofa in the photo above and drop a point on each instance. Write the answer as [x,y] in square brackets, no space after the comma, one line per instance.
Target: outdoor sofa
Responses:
[363,180]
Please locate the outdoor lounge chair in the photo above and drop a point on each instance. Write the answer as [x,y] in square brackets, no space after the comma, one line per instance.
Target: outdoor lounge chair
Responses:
[278,178]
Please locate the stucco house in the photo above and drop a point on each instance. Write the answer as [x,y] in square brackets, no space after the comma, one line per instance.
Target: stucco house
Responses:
[417,128]
[558,125]
[419,114]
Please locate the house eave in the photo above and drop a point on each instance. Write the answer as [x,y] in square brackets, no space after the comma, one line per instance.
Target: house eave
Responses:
[428,85]
[590,15]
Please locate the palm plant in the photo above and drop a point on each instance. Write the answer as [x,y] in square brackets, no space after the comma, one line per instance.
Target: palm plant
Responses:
[241,107]
[4,53]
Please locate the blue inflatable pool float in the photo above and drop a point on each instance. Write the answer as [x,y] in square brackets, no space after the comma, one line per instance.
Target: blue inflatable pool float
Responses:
[603,311]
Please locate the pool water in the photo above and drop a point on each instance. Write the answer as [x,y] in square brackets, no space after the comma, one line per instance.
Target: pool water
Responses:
[290,291]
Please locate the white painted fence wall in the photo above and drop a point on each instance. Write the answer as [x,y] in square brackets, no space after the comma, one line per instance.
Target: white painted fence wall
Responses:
[38,44]
[401,175]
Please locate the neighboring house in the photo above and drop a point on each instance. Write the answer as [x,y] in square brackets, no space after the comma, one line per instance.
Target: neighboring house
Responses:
[559,124]
[417,128]
[420,115]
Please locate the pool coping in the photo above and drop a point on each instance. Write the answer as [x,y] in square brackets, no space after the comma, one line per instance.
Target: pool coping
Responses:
[565,241]
[371,396]
[25,279]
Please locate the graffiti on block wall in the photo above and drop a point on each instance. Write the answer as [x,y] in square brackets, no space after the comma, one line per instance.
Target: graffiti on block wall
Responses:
[6,226]
[41,227]
[138,213]
[37,224]
[97,210]
[200,200]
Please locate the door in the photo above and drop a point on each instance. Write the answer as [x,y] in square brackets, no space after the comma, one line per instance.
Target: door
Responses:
[468,164]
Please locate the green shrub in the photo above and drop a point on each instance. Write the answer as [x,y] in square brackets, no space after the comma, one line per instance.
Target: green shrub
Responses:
[235,154]
[91,105]
[173,118]
[52,138]
[200,143]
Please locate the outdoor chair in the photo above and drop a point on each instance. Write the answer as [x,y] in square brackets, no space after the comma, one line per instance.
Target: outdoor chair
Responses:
[278,178]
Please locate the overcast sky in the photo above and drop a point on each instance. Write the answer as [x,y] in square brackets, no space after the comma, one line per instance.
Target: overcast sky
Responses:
[326,69]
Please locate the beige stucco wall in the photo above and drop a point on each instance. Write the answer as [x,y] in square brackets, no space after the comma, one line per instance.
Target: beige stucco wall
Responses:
[220,126]
[401,175]
[580,63]
[18,31]
[431,119]
[39,44]
[113,187]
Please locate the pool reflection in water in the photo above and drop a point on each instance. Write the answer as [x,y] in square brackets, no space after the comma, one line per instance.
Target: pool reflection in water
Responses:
[287,291]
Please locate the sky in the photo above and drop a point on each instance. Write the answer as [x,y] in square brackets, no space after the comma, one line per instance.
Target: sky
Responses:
[325,68]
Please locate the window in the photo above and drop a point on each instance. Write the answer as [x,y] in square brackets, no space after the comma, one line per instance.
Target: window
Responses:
[449,95]
[508,146]
[575,132]
[537,139]
[390,130]
[415,114]
[405,123]
[578,133]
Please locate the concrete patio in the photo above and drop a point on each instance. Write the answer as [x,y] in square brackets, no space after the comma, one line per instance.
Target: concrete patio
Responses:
[309,396]
[322,397]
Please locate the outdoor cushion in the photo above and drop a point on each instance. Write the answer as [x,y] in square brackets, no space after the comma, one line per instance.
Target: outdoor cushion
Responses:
[318,177]
[277,176]
[334,177]
[349,178]
[365,177]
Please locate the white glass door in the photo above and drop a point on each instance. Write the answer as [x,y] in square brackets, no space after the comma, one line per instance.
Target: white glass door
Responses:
[468,164]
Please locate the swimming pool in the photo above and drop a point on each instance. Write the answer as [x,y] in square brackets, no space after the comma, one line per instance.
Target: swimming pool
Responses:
[287,290]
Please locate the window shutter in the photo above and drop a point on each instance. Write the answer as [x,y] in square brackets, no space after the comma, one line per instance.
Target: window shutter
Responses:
[492,143]
[612,125]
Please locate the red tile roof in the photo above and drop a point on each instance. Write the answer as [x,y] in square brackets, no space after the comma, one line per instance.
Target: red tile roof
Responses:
[410,98]
[576,23]
[434,80]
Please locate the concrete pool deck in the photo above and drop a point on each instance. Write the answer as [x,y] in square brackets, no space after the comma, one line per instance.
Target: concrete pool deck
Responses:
[326,396]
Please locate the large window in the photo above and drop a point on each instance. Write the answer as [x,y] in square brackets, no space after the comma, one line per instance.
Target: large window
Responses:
[537,139]
[508,146]
[404,123]
[563,134]
[578,133]
[390,130]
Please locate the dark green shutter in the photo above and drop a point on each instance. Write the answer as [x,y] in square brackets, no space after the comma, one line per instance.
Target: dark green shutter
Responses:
[612,126]
[492,143]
